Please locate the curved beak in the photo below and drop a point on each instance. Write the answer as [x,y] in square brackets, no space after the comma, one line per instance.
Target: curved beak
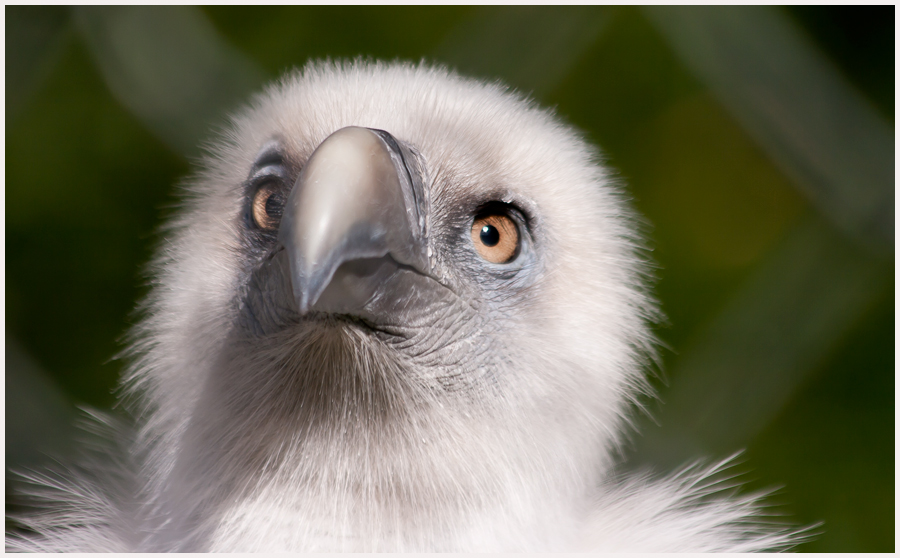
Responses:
[359,198]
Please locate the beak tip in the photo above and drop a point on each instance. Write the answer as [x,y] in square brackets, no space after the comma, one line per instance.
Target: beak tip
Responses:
[307,289]
[303,305]
[302,295]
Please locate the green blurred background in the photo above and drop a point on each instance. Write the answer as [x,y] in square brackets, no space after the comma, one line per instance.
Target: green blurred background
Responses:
[757,142]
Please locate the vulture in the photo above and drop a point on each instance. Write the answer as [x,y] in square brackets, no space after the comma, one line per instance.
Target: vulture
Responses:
[399,310]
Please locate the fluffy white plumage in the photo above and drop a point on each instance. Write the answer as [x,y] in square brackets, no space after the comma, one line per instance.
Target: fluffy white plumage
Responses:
[479,410]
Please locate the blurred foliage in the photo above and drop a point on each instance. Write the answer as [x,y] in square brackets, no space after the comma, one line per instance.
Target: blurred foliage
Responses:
[780,330]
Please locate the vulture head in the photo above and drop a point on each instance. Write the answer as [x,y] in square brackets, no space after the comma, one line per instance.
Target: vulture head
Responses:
[399,310]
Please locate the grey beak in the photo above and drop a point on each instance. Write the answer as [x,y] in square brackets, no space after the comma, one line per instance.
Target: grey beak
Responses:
[359,196]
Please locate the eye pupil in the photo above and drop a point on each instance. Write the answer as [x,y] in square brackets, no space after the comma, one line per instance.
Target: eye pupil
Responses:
[490,236]
[273,207]
[495,237]
[267,207]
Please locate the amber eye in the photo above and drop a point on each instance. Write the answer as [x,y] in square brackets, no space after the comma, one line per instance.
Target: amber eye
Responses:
[496,238]
[267,206]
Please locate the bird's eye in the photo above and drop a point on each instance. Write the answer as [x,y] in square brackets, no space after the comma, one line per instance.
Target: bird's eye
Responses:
[496,238]
[268,206]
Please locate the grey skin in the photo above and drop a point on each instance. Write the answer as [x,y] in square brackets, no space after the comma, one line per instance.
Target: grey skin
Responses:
[354,243]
